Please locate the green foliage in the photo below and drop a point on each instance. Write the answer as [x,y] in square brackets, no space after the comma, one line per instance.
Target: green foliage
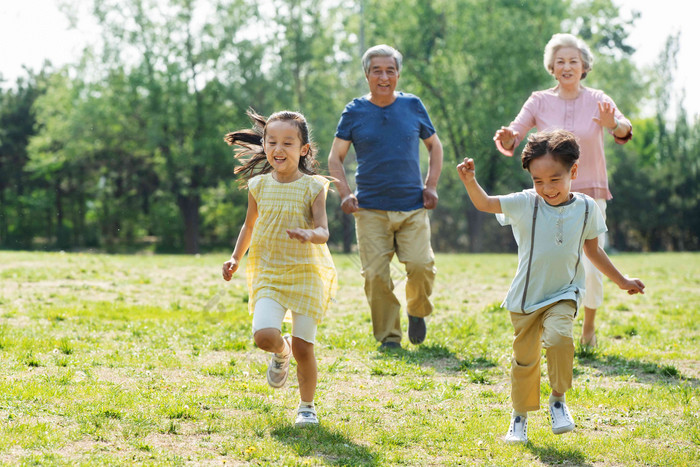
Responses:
[123,150]
[656,177]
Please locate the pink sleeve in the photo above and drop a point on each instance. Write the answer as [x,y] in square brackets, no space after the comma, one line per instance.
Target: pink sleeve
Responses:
[620,117]
[523,123]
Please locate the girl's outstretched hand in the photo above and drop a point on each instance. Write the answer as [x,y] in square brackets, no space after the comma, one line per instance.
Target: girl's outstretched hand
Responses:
[633,286]
[229,268]
[467,170]
[303,235]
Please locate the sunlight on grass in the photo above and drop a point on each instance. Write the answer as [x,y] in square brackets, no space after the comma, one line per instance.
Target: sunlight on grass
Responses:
[111,359]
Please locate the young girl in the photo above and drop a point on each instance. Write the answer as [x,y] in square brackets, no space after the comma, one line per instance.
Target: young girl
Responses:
[289,265]
[551,226]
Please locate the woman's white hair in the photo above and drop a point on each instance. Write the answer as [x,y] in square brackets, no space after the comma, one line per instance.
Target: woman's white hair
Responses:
[381,50]
[567,40]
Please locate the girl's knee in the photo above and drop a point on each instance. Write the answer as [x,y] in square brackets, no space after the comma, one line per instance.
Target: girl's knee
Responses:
[266,338]
[302,350]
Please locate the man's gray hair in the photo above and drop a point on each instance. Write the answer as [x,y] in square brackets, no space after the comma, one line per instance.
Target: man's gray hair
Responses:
[567,40]
[381,50]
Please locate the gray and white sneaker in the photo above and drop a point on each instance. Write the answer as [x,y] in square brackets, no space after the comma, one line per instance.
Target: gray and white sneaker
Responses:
[278,369]
[517,433]
[306,416]
[561,418]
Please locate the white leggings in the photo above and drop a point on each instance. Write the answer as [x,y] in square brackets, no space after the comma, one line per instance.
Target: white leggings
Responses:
[593,297]
[270,314]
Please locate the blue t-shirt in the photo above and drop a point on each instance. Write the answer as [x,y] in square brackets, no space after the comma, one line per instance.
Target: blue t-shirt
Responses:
[387,143]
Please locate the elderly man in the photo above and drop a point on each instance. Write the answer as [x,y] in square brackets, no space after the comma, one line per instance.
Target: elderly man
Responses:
[391,201]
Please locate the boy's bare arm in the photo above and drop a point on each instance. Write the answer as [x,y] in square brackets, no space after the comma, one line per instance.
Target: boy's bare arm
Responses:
[482,201]
[602,262]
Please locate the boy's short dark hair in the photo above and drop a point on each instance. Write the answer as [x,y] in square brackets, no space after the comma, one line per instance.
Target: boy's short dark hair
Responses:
[561,144]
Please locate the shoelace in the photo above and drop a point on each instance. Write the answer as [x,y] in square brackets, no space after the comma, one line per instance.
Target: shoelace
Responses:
[279,364]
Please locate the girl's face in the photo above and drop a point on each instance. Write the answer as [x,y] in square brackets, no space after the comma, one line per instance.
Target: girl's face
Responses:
[568,66]
[284,149]
[552,181]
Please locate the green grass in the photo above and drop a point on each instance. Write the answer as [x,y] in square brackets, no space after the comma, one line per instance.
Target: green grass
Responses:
[149,359]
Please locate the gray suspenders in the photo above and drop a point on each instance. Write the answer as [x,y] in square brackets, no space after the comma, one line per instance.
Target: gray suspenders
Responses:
[532,247]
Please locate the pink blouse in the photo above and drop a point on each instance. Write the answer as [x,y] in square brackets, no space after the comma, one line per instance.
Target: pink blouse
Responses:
[547,111]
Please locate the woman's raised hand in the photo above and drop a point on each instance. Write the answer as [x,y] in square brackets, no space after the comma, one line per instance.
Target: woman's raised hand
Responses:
[607,115]
[506,136]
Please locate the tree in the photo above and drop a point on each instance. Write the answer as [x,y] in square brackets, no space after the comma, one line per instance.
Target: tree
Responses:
[17,122]
[308,74]
[473,78]
[657,179]
[175,63]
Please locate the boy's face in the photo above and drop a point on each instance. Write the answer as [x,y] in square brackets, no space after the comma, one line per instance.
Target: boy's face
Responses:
[552,181]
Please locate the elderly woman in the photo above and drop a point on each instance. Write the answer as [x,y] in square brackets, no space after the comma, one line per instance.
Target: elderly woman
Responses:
[587,113]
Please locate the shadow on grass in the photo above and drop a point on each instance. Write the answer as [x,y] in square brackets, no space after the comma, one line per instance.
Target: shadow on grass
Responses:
[551,455]
[438,357]
[646,372]
[329,446]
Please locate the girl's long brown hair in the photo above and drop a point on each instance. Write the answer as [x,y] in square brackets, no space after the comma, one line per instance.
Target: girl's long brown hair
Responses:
[250,141]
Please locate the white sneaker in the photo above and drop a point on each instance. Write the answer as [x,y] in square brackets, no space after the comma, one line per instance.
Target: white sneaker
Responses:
[517,433]
[278,369]
[306,416]
[561,418]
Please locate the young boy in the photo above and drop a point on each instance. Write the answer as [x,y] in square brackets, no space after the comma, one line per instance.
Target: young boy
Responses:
[551,226]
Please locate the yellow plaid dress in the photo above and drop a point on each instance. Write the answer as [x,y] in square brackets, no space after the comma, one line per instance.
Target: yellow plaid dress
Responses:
[299,276]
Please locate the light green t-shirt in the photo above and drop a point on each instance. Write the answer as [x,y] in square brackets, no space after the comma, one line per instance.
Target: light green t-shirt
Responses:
[556,272]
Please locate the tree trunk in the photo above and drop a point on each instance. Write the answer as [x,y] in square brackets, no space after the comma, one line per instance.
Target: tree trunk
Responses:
[3,218]
[348,236]
[62,234]
[475,224]
[189,208]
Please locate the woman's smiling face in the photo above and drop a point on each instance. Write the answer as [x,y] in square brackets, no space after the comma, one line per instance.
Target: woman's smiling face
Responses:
[567,66]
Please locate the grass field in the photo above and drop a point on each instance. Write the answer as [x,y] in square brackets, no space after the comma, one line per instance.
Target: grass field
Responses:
[115,360]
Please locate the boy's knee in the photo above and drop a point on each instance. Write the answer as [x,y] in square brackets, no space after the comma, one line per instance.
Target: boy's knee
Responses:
[421,268]
[555,341]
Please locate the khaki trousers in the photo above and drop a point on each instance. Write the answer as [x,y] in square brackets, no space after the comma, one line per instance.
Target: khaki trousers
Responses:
[550,327]
[380,234]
